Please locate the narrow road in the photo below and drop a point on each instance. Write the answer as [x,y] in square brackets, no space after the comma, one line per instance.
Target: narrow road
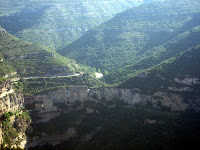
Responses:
[54,76]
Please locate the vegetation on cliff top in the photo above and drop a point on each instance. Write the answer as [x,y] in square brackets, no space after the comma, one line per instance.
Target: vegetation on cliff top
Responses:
[42,85]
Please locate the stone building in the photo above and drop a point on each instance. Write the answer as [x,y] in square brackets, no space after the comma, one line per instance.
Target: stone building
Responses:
[43,103]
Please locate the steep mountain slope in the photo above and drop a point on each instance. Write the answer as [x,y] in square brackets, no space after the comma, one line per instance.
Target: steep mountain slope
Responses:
[179,75]
[158,54]
[28,59]
[54,23]
[156,30]
[184,65]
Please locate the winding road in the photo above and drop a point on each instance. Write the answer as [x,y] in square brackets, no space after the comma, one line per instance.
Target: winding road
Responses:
[52,76]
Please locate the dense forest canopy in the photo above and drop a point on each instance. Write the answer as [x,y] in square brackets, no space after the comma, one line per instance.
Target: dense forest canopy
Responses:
[56,23]
[149,32]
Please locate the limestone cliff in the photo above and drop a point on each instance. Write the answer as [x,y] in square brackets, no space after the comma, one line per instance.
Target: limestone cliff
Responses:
[11,102]
[51,104]
[158,100]
[1,133]
[13,120]
[14,129]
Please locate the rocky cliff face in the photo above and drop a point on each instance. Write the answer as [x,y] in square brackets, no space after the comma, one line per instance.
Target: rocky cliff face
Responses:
[129,96]
[188,81]
[11,101]
[13,121]
[1,137]
[14,131]
[52,104]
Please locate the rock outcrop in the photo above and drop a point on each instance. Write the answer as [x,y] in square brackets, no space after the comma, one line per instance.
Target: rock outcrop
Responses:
[1,133]
[67,95]
[19,124]
[51,104]
[14,124]
[181,89]
[169,100]
[188,81]
[11,102]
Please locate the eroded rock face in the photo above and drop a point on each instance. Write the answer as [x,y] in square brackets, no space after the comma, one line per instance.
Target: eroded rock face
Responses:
[1,133]
[49,102]
[45,117]
[52,139]
[194,104]
[129,96]
[11,102]
[21,139]
[182,89]
[173,101]
[188,81]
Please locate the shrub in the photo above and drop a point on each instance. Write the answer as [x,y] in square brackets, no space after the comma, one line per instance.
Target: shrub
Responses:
[6,116]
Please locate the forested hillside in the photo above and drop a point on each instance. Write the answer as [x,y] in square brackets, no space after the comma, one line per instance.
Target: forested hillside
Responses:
[179,75]
[27,58]
[157,55]
[139,38]
[185,65]
[55,23]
